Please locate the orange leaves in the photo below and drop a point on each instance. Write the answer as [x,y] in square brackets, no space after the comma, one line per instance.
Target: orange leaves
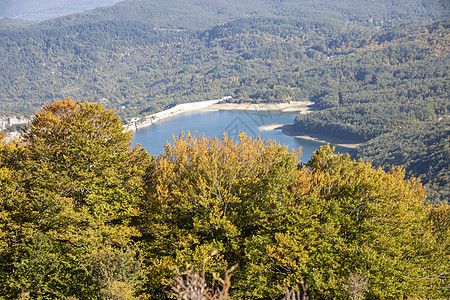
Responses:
[53,116]
[204,171]
[216,193]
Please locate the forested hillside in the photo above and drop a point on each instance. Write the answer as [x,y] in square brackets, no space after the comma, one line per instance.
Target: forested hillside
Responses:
[424,151]
[142,69]
[366,77]
[83,215]
[386,89]
[202,14]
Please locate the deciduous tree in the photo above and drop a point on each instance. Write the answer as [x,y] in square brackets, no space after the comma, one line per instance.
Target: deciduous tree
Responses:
[68,202]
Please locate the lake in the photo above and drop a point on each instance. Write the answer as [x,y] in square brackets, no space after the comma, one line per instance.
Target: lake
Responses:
[214,123]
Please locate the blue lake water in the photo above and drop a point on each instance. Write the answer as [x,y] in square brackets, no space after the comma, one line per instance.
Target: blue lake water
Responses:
[214,123]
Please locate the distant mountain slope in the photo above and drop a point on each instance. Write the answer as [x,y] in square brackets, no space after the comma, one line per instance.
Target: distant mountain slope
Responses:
[141,68]
[37,10]
[200,14]
[6,24]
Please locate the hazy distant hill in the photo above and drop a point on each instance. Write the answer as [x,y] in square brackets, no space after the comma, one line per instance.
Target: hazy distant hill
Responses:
[6,24]
[37,10]
[201,14]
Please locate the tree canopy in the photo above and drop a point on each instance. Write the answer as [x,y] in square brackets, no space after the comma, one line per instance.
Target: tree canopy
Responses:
[367,72]
[69,193]
[84,214]
[424,151]
[322,229]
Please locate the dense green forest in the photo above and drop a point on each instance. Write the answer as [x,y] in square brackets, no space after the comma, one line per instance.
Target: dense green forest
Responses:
[408,147]
[129,58]
[84,215]
[202,14]
[366,77]
[389,88]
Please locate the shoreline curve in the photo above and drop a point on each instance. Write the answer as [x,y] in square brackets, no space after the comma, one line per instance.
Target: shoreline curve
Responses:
[218,104]
[302,107]
[290,131]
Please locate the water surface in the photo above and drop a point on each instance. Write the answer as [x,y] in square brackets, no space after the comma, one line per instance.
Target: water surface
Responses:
[214,123]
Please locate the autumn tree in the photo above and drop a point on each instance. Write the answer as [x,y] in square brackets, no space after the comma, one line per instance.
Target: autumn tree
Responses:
[438,261]
[358,233]
[208,194]
[84,214]
[68,203]
[333,228]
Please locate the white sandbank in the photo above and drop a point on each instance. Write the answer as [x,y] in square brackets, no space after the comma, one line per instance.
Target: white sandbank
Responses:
[294,106]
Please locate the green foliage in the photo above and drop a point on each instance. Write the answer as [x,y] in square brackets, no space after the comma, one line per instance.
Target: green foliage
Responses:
[86,148]
[374,227]
[84,215]
[394,80]
[440,221]
[198,15]
[208,194]
[136,68]
[69,194]
[335,228]
[140,57]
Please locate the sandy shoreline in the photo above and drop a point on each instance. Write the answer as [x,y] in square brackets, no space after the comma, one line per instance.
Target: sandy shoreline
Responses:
[218,104]
[293,106]
[301,107]
[290,131]
[270,127]
[137,123]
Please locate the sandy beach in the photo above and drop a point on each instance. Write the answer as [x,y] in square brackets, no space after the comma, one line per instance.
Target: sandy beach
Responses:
[218,104]
[270,127]
[137,123]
